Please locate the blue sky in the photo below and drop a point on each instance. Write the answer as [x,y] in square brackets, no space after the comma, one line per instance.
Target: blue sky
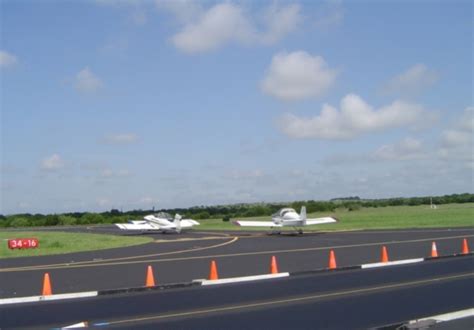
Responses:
[133,104]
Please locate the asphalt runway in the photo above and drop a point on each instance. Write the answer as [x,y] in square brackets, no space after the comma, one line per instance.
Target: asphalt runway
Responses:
[349,299]
[183,258]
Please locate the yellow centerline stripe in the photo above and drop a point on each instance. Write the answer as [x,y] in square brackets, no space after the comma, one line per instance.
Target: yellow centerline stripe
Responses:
[293,300]
[107,261]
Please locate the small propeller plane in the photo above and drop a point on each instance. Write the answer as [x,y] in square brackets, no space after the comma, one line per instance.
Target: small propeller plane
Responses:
[161,222]
[287,217]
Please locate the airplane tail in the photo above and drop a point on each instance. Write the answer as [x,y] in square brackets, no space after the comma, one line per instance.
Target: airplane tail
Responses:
[177,222]
[303,214]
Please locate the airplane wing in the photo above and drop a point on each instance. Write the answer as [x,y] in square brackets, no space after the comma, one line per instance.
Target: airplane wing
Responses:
[137,226]
[256,224]
[319,221]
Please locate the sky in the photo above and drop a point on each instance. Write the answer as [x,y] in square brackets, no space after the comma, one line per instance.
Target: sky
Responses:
[132,104]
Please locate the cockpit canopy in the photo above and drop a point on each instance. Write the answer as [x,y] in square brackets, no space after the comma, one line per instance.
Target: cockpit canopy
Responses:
[281,213]
[164,215]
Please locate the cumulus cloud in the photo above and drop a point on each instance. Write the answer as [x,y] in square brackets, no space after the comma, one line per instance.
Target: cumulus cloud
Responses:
[407,149]
[412,81]
[52,163]
[329,14]
[297,75]
[207,30]
[279,22]
[184,11]
[355,118]
[109,173]
[457,141]
[87,82]
[136,8]
[120,139]
[220,24]
[7,60]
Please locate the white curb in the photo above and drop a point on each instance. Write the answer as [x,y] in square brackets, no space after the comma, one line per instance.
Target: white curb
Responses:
[448,316]
[242,279]
[7,301]
[392,263]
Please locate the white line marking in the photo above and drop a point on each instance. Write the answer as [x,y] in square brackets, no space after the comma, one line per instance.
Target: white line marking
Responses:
[392,263]
[448,316]
[242,279]
[18,300]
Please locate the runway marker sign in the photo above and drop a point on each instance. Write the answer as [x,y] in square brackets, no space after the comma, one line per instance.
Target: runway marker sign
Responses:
[23,243]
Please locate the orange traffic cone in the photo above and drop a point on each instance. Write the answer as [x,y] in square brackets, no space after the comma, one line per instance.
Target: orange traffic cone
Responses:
[465,247]
[150,280]
[384,254]
[273,266]
[46,286]
[434,250]
[213,272]
[332,260]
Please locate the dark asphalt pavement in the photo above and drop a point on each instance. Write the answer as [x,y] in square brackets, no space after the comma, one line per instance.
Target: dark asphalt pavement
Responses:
[183,258]
[352,299]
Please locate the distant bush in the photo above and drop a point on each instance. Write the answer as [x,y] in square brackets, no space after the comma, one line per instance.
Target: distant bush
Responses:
[20,222]
[67,220]
[226,218]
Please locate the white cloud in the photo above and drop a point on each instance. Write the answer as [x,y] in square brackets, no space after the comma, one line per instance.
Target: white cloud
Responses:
[226,23]
[298,75]
[135,8]
[120,139]
[454,138]
[184,11]
[7,60]
[102,202]
[108,173]
[87,82]
[355,118]
[412,81]
[220,24]
[52,163]
[329,15]
[279,22]
[457,142]
[407,149]
[242,175]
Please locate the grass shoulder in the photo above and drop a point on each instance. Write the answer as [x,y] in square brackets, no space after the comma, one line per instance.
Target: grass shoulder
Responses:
[61,243]
[390,217]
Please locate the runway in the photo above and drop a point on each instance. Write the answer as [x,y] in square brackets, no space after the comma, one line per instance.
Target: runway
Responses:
[183,258]
[354,299]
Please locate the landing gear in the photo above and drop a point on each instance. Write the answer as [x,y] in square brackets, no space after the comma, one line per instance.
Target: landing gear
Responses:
[274,232]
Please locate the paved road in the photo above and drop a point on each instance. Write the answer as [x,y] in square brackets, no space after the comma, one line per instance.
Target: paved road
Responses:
[185,258]
[337,300]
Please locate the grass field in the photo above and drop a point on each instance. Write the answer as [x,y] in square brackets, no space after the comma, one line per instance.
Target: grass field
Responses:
[391,217]
[60,243]
[396,217]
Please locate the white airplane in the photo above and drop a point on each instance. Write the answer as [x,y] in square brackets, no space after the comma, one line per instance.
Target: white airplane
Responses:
[287,217]
[162,222]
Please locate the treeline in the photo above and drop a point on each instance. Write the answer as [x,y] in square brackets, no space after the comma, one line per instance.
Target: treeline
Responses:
[225,212]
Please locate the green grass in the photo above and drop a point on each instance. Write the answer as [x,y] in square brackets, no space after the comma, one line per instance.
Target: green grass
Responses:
[60,243]
[391,217]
